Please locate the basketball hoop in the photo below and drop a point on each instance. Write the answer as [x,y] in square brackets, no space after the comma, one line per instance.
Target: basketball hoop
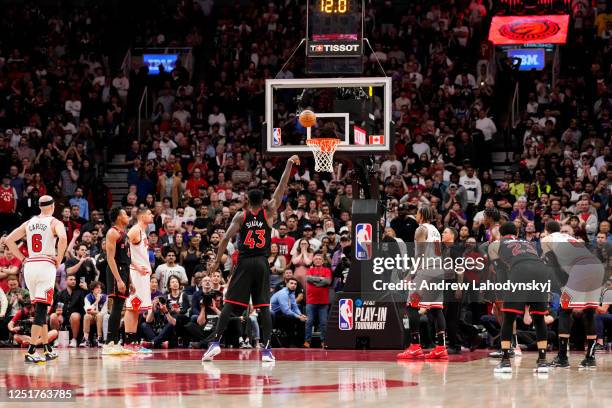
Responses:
[324,149]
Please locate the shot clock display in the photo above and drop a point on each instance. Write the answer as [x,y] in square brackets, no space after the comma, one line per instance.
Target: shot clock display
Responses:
[335,33]
[335,20]
[334,6]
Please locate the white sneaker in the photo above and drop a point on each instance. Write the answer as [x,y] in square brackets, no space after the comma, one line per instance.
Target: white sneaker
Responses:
[267,356]
[73,343]
[112,349]
[84,344]
[214,349]
[517,351]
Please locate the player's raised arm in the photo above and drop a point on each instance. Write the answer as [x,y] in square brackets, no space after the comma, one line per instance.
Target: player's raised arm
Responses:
[62,241]
[277,197]
[231,231]
[11,241]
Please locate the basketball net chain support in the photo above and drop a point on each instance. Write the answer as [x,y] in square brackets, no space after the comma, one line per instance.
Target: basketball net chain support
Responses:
[291,57]
[375,56]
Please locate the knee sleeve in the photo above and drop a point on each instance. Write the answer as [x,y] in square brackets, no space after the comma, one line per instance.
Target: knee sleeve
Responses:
[589,322]
[506,329]
[540,327]
[40,317]
[565,321]
[439,320]
[414,319]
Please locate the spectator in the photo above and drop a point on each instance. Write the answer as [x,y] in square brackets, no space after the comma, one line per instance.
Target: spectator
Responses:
[69,179]
[170,268]
[82,266]
[81,203]
[286,313]
[8,204]
[284,241]
[9,266]
[319,280]
[96,307]
[277,265]
[302,260]
[69,306]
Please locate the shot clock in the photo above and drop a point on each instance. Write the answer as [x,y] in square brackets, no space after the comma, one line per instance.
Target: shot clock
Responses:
[334,6]
[335,33]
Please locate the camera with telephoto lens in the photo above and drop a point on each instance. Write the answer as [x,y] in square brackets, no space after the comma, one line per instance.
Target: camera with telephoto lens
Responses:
[162,300]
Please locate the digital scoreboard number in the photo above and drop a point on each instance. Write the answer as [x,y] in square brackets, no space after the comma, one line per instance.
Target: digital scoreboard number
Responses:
[335,33]
[334,6]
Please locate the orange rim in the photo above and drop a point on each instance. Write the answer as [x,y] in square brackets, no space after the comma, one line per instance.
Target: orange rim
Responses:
[325,144]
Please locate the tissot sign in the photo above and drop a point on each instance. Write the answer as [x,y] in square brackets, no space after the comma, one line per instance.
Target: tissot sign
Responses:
[334,49]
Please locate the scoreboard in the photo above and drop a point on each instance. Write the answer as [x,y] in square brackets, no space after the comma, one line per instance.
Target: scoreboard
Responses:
[334,43]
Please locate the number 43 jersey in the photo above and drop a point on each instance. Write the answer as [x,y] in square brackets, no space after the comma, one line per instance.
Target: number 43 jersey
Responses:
[255,234]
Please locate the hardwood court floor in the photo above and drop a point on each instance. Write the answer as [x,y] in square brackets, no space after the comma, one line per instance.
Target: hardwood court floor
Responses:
[303,379]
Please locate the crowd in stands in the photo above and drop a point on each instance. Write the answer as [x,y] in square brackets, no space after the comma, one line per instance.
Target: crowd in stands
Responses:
[65,110]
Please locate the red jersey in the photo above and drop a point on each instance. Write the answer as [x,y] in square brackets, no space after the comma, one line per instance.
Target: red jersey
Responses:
[284,246]
[7,199]
[316,295]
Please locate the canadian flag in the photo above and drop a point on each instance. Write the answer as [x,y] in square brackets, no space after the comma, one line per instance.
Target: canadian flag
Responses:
[360,136]
[377,139]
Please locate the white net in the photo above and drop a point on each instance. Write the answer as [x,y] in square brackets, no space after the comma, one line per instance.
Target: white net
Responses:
[323,150]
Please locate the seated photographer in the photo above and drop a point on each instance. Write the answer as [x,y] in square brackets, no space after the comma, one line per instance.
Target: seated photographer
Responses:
[196,300]
[96,307]
[21,326]
[287,315]
[165,321]
[209,304]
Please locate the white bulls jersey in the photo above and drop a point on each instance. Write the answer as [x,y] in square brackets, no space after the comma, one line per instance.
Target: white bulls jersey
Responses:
[39,269]
[40,237]
[434,242]
[139,253]
[569,250]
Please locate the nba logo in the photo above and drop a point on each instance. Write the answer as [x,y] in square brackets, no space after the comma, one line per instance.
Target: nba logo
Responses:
[345,314]
[276,137]
[363,242]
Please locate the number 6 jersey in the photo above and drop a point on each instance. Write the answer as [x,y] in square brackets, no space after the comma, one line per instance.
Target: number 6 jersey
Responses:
[40,236]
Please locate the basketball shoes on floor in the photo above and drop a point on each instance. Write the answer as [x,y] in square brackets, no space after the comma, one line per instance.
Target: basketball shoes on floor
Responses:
[213,350]
[438,353]
[413,352]
[267,356]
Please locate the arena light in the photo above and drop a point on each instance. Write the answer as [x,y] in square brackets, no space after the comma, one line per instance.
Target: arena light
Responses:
[511,30]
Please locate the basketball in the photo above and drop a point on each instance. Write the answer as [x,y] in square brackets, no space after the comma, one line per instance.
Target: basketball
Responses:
[308,118]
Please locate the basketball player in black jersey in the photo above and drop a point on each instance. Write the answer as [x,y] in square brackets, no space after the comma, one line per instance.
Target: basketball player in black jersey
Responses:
[524,266]
[117,277]
[251,277]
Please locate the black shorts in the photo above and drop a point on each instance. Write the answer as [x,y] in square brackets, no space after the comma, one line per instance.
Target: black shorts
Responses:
[250,282]
[111,288]
[537,300]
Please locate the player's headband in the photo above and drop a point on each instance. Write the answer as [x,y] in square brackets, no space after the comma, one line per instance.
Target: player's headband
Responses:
[46,203]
